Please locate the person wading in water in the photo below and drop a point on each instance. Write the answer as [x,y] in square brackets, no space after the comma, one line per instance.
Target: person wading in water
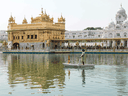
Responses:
[82,56]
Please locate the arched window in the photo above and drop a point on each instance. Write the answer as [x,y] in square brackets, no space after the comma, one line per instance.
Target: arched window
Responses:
[117,27]
[80,36]
[125,34]
[110,34]
[118,34]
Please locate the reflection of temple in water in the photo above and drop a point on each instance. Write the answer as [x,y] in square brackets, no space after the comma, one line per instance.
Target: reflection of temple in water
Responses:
[36,70]
[45,71]
[121,81]
[109,59]
[99,59]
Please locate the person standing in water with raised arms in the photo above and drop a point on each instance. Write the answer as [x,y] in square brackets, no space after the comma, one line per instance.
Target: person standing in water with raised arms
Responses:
[82,56]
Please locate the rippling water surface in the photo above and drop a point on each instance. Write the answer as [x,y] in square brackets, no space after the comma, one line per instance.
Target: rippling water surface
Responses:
[44,74]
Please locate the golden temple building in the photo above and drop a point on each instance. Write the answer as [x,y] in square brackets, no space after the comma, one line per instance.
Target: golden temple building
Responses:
[40,33]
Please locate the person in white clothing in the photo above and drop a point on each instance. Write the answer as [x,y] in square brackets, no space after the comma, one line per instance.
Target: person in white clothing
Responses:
[82,56]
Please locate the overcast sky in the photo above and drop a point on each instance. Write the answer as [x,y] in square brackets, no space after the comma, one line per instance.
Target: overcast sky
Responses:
[79,14]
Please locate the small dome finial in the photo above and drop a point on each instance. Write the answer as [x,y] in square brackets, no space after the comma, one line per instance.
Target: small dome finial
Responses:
[11,14]
[121,4]
[61,14]
[42,10]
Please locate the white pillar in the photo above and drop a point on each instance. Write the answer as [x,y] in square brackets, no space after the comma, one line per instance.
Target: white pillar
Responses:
[114,43]
[10,45]
[108,43]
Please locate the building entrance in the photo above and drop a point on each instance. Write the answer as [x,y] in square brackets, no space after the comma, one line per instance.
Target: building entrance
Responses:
[15,45]
[55,46]
[43,45]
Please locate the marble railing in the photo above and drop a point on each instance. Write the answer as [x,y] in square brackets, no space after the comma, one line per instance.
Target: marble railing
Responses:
[88,50]
[29,50]
[68,50]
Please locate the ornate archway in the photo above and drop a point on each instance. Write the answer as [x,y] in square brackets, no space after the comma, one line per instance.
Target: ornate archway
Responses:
[43,45]
[15,45]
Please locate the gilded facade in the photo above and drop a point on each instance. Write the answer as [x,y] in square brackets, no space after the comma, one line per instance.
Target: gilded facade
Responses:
[38,34]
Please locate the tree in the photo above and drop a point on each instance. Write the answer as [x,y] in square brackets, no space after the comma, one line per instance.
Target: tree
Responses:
[92,28]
